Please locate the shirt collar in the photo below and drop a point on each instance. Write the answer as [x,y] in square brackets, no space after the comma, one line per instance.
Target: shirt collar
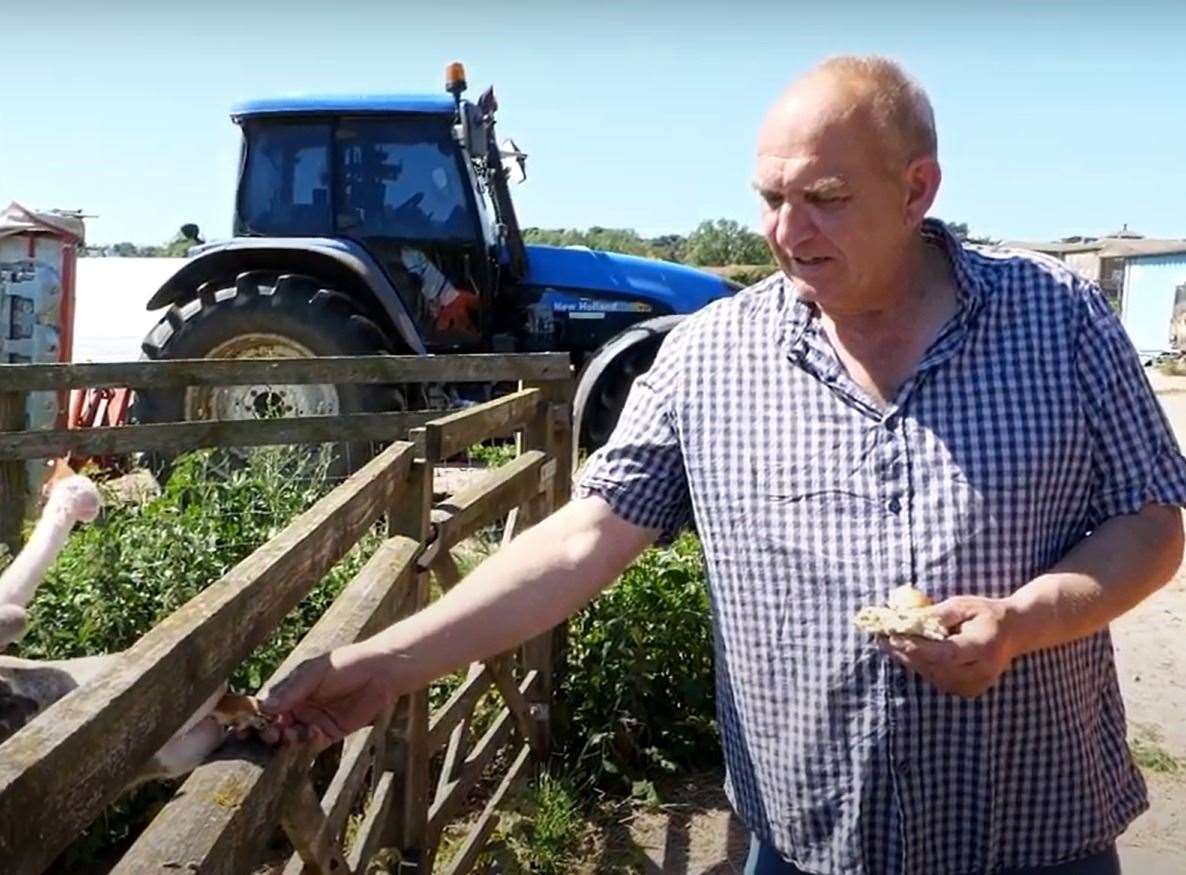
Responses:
[968,284]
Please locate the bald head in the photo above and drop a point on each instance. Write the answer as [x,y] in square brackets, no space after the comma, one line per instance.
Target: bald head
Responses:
[871,92]
[846,173]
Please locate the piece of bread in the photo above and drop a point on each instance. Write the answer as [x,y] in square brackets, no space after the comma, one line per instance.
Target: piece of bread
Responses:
[906,597]
[907,613]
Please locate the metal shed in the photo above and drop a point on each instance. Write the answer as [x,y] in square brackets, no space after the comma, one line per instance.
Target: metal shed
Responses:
[1153,304]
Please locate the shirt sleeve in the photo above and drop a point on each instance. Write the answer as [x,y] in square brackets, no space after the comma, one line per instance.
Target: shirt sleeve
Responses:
[640,471]
[1135,456]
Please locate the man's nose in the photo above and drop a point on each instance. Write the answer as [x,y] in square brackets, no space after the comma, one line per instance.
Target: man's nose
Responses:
[795,226]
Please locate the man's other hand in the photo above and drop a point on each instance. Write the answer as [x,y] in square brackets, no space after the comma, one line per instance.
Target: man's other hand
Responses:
[979,651]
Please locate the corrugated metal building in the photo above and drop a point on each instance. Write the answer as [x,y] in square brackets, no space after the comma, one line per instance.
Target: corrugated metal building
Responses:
[1145,280]
[1153,304]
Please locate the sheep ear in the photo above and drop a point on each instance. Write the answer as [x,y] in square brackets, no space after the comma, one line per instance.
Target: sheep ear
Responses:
[60,471]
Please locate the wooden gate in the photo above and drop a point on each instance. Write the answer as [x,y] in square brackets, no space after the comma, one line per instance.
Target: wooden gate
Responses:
[402,779]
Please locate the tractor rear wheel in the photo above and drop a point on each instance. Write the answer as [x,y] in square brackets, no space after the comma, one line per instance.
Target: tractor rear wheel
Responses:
[262,315]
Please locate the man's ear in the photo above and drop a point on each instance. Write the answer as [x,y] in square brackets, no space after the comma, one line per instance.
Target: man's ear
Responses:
[922,185]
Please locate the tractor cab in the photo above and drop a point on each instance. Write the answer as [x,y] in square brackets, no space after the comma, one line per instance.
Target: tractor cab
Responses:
[384,224]
[410,179]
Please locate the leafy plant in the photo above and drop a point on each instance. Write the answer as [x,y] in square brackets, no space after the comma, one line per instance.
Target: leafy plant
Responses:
[638,683]
[546,837]
[725,241]
[140,562]
[492,453]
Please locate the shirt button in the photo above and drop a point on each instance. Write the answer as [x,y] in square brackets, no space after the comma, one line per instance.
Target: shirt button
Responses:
[891,422]
[903,765]
[894,505]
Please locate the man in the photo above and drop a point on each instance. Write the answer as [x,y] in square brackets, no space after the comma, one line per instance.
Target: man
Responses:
[890,409]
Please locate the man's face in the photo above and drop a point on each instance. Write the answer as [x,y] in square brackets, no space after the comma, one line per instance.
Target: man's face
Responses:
[834,212]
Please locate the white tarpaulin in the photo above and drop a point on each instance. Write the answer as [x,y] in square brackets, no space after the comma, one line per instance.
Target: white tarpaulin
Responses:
[109,316]
[16,219]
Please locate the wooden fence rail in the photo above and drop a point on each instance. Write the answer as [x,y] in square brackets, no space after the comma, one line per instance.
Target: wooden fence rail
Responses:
[17,381]
[59,772]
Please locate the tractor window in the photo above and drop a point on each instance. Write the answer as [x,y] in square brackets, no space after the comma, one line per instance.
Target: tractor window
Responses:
[400,179]
[285,189]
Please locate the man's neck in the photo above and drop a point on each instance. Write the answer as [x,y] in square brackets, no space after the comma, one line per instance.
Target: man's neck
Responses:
[882,346]
[895,304]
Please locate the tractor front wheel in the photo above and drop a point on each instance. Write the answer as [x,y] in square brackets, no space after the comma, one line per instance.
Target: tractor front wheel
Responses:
[609,396]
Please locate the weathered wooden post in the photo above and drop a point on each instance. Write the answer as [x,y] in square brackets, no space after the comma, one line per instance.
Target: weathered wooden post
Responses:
[12,474]
[409,726]
[551,432]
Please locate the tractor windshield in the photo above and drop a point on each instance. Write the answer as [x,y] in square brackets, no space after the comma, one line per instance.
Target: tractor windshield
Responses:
[368,178]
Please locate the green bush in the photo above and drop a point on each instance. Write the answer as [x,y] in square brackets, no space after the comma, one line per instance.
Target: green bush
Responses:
[725,241]
[492,453]
[636,689]
[137,563]
[638,682]
[140,562]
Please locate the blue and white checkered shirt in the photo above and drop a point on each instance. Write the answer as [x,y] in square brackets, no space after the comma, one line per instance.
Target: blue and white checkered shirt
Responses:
[1028,423]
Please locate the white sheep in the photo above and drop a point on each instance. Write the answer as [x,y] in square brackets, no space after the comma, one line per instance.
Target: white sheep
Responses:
[28,686]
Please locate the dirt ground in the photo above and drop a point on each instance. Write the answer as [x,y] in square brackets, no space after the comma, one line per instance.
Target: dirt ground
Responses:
[696,835]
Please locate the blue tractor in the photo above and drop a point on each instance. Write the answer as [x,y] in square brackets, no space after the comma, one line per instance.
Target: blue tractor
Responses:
[384,224]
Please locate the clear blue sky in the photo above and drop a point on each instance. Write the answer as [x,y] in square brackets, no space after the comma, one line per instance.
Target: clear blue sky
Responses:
[1053,118]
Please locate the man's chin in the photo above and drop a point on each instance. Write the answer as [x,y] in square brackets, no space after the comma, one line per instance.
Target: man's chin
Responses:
[806,290]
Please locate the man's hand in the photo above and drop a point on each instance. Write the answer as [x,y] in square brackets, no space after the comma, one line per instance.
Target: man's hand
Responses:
[532,584]
[980,649]
[326,698]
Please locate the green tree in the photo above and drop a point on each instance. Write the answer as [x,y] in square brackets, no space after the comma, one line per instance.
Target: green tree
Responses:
[669,247]
[961,231]
[625,240]
[178,247]
[716,242]
[724,241]
[551,236]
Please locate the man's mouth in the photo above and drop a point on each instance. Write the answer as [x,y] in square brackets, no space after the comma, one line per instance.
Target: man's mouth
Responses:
[809,261]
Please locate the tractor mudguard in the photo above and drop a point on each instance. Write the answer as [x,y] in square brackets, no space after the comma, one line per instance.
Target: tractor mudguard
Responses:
[602,362]
[342,263]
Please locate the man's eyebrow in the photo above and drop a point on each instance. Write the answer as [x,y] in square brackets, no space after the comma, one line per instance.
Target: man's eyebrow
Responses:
[825,187]
[829,185]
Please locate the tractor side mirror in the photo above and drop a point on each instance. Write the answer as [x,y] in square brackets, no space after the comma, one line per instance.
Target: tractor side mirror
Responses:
[191,232]
[514,162]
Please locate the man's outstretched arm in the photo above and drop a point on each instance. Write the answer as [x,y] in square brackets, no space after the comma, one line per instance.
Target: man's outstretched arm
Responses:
[535,582]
